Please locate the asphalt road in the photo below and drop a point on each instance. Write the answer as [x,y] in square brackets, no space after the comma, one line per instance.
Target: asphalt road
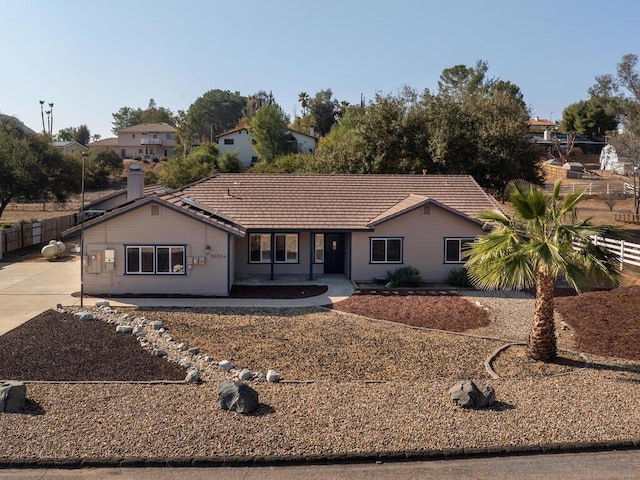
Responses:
[568,466]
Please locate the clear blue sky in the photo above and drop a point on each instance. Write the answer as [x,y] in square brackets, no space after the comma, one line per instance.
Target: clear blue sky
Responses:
[91,58]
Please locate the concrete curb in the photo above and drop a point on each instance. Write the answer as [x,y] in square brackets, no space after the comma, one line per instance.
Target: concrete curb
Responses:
[257,460]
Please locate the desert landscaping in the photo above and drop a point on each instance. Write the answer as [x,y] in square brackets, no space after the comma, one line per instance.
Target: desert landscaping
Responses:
[365,377]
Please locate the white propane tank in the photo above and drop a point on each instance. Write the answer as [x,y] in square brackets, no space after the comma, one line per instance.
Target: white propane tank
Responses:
[54,250]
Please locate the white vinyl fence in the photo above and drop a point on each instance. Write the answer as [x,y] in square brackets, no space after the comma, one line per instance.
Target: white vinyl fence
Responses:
[597,188]
[628,252]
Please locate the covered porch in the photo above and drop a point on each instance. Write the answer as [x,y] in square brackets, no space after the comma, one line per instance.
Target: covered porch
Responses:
[291,256]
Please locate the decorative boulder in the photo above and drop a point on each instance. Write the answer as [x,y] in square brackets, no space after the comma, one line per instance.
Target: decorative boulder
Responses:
[124,329]
[12,397]
[193,376]
[225,365]
[83,315]
[237,396]
[273,376]
[245,374]
[103,304]
[466,394]
[157,325]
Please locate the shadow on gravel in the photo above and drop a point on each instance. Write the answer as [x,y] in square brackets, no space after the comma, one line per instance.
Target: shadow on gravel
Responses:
[33,408]
[596,366]
[500,406]
[262,410]
[629,380]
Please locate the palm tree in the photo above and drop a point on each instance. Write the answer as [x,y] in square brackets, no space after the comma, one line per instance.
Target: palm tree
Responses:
[540,242]
[51,124]
[44,130]
[303,98]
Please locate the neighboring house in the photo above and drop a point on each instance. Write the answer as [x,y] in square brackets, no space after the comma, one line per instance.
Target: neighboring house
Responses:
[240,140]
[542,127]
[111,143]
[144,141]
[70,147]
[147,141]
[198,239]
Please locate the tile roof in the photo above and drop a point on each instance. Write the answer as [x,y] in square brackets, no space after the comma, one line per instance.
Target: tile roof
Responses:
[105,142]
[221,223]
[328,202]
[239,129]
[541,122]
[149,128]
[147,191]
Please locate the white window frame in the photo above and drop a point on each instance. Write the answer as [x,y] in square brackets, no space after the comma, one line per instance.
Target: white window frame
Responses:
[175,268]
[386,249]
[460,242]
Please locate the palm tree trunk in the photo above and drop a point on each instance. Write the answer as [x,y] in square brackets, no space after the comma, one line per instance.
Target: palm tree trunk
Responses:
[542,338]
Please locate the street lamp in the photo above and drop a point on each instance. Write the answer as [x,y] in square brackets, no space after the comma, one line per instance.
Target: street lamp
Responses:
[211,134]
[84,156]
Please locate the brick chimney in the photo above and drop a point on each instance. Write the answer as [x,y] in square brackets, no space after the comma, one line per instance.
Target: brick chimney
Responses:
[135,182]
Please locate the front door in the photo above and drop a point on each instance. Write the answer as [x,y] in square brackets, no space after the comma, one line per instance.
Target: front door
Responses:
[334,253]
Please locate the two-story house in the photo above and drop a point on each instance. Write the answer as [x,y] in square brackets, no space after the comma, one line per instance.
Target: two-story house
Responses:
[147,140]
[239,140]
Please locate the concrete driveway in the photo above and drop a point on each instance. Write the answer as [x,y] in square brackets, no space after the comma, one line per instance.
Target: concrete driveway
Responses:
[29,288]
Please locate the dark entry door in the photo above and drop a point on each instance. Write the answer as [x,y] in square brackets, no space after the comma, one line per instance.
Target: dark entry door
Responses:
[334,253]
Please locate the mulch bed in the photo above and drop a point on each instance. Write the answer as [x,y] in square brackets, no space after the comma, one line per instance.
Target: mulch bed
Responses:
[277,291]
[58,347]
[284,292]
[403,292]
[605,323]
[442,312]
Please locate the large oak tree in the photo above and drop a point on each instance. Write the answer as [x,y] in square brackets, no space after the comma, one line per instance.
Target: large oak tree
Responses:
[32,169]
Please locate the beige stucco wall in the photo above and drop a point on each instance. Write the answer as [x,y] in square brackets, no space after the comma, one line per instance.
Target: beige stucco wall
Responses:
[423,244]
[144,144]
[140,227]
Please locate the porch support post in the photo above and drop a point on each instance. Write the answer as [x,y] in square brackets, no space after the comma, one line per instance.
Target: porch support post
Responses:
[312,242]
[273,255]
[228,263]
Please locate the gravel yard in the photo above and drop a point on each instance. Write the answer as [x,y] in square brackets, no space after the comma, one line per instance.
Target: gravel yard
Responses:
[377,387]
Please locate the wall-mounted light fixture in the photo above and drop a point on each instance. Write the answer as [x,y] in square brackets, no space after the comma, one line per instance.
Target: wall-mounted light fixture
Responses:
[207,249]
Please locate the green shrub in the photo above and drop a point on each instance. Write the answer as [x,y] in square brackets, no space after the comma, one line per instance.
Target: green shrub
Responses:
[405,277]
[151,177]
[458,277]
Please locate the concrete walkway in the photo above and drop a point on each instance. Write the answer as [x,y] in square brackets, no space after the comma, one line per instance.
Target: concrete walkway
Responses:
[29,288]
